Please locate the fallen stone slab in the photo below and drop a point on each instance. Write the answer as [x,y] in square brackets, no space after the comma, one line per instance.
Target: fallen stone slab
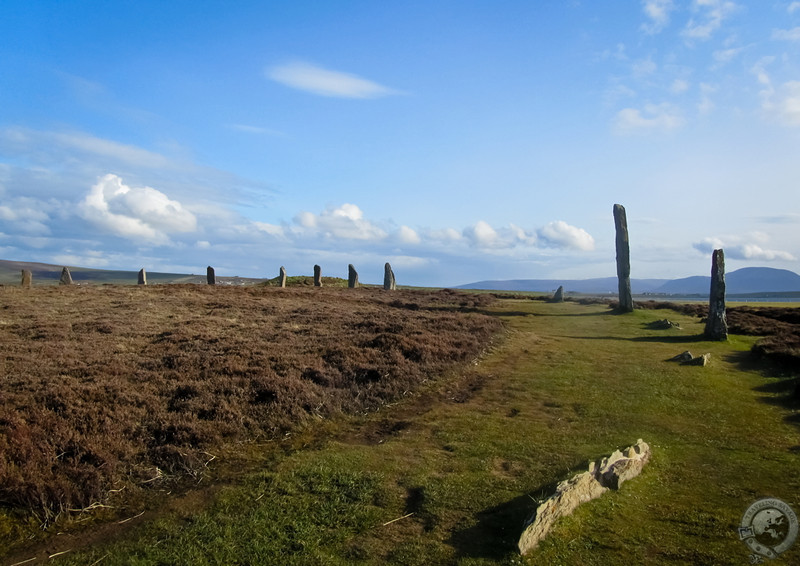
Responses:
[664,324]
[682,357]
[608,473]
[698,361]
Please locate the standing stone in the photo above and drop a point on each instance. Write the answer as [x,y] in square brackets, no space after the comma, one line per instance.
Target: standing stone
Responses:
[716,324]
[559,295]
[211,277]
[388,278]
[66,277]
[142,280]
[352,277]
[282,277]
[27,279]
[317,276]
[623,259]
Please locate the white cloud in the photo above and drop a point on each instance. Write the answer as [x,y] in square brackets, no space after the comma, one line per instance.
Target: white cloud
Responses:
[408,235]
[793,7]
[271,229]
[324,82]
[444,235]
[724,56]
[658,13]
[787,34]
[483,235]
[653,117]
[344,222]
[559,234]
[711,15]
[743,248]
[679,86]
[644,67]
[141,214]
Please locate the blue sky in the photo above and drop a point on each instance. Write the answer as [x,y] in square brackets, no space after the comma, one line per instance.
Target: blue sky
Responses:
[457,140]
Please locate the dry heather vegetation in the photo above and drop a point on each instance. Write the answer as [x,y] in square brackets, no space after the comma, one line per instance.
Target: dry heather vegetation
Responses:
[112,387]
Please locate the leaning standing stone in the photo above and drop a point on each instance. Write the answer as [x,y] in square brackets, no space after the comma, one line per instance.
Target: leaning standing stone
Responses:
[66,277]
[27,279]
[352,277]
[211,277]
[716,324]
[388,278]
[142,279]
[623,259]
[317,276]
[559,295]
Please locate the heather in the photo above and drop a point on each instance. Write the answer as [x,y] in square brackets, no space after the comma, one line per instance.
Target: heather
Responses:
[108,388]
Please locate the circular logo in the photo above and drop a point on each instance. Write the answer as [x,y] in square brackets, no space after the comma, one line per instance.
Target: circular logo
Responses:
[768,527]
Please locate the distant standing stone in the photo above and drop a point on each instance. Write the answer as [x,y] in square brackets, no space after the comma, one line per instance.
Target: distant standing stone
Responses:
[623,259]
[211,277]
[66,277]
[352,277]
[717,324]
[388,278]
[317,276]
[142,280]
[282,277]
[27,278]
[559,296]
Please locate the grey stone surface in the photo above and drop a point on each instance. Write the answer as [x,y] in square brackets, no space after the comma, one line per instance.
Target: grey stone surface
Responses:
[211,277]
[66,277]
[608,473]
[388,278]
[558,297]
[142,279]
[682,357]
[717,323]
[702,360]
[27,278]
[623,259]
[317,276]
[352,277]
[282,277]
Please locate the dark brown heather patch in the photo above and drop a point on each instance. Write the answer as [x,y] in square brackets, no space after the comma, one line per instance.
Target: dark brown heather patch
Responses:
[105,387]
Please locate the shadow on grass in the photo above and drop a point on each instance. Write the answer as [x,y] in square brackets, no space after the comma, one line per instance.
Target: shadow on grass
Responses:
[661,339]
[496,532]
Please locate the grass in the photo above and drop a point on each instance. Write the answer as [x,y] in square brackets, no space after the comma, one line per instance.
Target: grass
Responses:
[448,474]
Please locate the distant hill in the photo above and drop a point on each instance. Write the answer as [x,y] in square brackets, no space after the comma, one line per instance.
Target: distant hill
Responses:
[747,280]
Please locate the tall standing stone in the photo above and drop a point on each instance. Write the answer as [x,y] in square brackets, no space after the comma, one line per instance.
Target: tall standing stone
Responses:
[623,259]
[388,278]
[282,277]
[142,279]
[716,324]
[66,277]
[211,277]
[317,276]
[27,279]
[558,297]
[352,277]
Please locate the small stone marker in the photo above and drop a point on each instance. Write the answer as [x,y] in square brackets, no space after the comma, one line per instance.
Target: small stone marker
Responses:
[211,277]
[282,277]
[717,324]
[388,278]
[66,277]
[558,297]
[27,279]
[317,276]
[352,277]
[623,259]
[608,473]
[698,361]
[142,280]
[682,357]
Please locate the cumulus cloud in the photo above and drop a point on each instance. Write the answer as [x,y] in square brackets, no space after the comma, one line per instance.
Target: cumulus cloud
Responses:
[324,82]
[679,86]
[26,215]
[749,248]
[710,16]
[140,214]
[343,222]
[559,234]
[408,235]
[652,117]
[657,13]
[482,235]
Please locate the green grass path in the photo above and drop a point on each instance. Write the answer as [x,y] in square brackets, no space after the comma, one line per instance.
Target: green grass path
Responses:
[460,465]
